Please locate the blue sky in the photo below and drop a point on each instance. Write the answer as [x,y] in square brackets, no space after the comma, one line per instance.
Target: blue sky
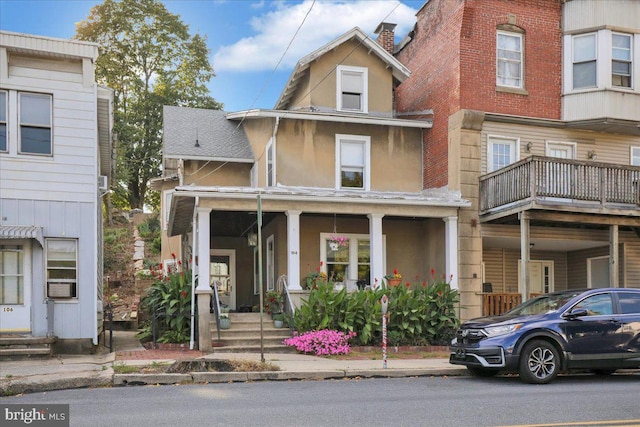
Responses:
[246,38]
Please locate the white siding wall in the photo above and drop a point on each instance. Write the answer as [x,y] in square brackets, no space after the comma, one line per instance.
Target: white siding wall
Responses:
[71,173]
[610,148]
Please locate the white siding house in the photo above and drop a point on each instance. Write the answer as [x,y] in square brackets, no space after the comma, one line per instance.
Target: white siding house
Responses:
[55,157]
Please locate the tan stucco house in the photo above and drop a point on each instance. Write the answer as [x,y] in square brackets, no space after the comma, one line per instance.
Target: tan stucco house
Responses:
[331,159]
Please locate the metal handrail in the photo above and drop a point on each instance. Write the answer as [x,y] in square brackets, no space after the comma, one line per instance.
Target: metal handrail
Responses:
[288,308]
[216,305]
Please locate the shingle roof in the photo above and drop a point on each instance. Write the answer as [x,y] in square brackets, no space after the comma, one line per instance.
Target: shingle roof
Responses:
[217,137]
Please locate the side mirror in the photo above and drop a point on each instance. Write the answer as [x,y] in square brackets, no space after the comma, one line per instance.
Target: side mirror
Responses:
[576,312]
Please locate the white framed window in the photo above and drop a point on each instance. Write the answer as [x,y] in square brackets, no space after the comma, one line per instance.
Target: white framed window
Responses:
[509,59]
[621,60]
[584,61]
[352,84]
[635,156]
[501,152]
[271,263]
[353,154]
[62,268]
[11,274]
[35,123]
[271,165]
[3,122]
[350,262]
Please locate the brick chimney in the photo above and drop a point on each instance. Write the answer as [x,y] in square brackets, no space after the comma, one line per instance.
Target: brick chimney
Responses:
[386,36]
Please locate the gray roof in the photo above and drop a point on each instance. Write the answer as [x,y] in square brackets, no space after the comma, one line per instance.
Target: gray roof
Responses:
[217,137]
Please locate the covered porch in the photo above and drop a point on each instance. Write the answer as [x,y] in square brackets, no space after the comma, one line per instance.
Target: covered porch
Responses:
[380,232]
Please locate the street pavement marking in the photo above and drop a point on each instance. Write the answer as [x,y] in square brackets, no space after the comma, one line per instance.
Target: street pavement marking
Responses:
[609,423]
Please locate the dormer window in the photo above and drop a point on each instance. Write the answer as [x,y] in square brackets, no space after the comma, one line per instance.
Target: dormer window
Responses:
[352,83]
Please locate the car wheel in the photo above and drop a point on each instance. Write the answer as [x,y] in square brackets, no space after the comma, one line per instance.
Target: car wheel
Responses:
[482,372]
[539,362]
[603,371]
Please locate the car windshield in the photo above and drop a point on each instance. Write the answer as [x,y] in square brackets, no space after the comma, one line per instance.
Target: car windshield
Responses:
[542,304]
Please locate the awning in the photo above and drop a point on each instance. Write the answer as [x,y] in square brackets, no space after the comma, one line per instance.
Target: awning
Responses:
[22,232]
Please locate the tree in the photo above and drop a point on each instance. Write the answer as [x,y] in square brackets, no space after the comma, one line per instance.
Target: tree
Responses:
[149,59]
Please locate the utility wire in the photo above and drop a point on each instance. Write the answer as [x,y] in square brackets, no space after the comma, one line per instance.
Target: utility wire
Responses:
[329,73]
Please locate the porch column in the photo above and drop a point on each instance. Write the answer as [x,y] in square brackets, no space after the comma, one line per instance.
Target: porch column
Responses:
[524,255]
[375,249]
[451,250]
[203,290]
[614,278]
[293,250]
[204,249]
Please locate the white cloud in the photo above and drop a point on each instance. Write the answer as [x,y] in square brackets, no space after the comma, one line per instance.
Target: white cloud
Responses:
[327,20]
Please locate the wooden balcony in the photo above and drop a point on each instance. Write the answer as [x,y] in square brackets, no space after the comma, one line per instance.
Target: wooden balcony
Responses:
[571,185]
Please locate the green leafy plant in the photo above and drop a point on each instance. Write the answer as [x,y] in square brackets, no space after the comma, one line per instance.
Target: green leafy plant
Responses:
[168,302]
[418,314]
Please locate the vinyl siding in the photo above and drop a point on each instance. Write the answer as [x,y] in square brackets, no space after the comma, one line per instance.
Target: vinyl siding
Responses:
[71,173]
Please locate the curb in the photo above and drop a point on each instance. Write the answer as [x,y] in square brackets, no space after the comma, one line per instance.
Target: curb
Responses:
[228,377]
[107,378]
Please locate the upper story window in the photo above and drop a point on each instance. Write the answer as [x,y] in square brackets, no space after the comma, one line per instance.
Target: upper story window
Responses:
[621,60]
[584,61]
[353,162]
[635,156]
[509,60]
[35,123]
[352,84]
[62,268]
[501,152]
[3,121]
[271,170]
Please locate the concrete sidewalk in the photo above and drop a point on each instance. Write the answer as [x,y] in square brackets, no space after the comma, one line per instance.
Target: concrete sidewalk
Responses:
[62,372]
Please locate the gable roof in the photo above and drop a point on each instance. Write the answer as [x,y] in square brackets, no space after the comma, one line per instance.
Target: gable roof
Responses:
[400,72]
[218,139]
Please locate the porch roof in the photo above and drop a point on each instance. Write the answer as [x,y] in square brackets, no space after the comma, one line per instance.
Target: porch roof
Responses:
[22,232]
[309,199]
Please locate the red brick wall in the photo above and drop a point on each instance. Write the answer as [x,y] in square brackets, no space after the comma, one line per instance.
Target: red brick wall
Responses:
[453,64]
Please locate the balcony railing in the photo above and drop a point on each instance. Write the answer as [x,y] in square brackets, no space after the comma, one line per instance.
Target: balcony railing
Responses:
[551,179]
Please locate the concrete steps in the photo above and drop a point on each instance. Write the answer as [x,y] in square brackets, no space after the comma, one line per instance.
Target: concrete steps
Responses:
[17,347]
[244,335]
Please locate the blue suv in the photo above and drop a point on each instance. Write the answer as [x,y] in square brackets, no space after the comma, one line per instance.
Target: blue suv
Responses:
[593,329]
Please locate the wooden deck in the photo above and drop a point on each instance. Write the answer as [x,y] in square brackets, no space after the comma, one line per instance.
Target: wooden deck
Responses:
[584,185]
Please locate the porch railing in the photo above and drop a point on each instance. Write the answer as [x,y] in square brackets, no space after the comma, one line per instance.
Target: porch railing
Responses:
[498,303]
[287,306]
[215,305]
[494,304]
[561,180]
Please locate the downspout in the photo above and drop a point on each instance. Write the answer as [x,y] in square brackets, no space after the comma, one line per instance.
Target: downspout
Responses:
[193,273]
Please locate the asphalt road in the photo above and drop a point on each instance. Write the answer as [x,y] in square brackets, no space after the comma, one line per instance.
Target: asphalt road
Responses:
[454,401]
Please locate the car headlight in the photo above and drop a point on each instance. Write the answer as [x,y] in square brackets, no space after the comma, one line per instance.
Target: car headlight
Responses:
[494,331]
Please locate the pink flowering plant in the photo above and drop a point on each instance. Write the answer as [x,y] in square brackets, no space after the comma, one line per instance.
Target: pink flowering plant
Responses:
[325,342]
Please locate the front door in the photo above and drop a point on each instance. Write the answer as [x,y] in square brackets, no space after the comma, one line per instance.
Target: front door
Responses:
[540,277]
[559,175]
[223,272]
[15,287]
